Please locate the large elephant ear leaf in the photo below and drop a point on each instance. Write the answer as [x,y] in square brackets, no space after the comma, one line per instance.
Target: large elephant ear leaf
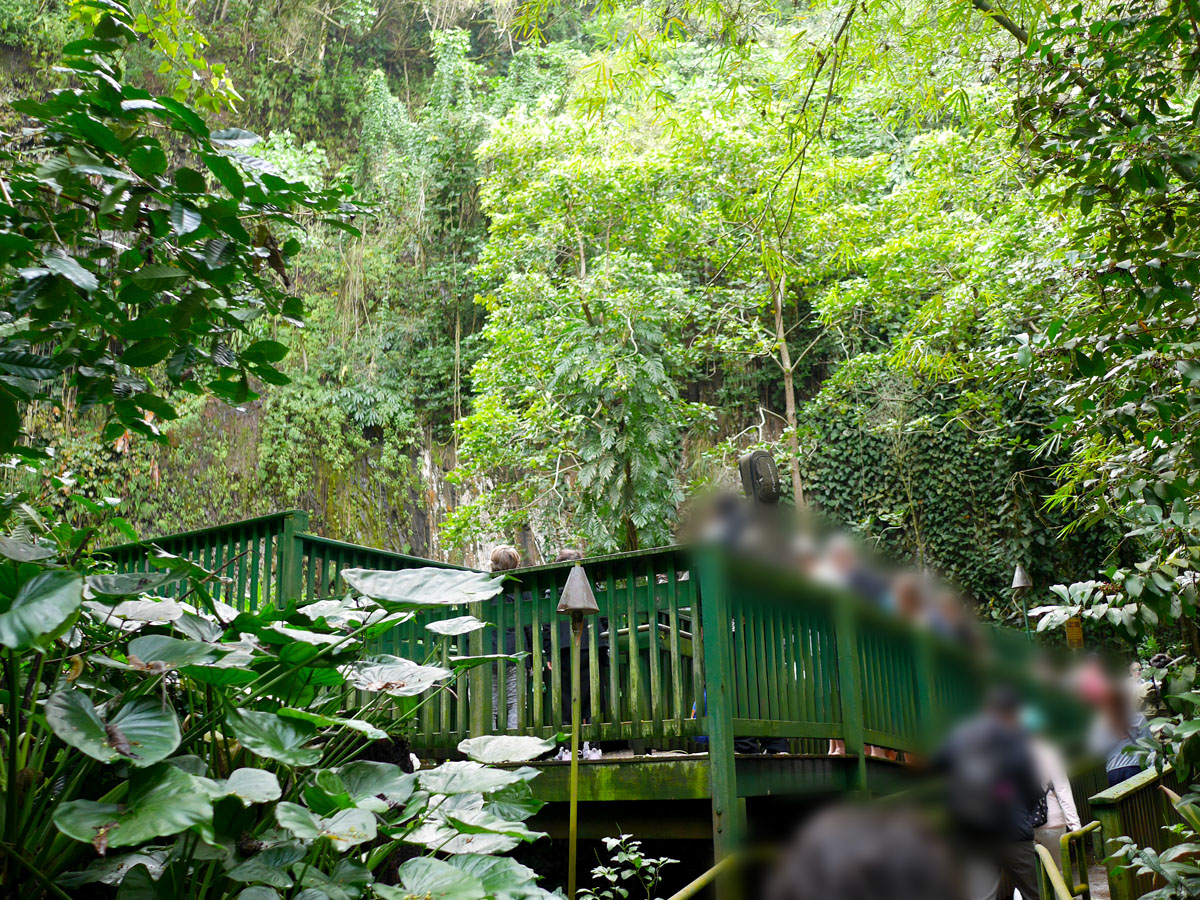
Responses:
[163,801]
[457,777]
[42,608]
[428,877]
[502,878]
[414,589]
[499,748]
[142,733]
[274,737]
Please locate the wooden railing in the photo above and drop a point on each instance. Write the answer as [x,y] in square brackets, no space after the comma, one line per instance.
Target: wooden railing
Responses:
[689,643]
[1136,808]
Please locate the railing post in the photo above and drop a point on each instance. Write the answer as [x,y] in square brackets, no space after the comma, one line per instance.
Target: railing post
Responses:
[728,828]
[291,558]
[850,691]
[1120,880]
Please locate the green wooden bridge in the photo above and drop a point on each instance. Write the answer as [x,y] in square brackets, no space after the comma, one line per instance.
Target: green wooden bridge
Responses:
[692,650]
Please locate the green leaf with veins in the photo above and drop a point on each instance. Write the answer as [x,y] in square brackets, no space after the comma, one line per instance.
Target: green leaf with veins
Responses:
[272,736]
[42,608]
[142,732]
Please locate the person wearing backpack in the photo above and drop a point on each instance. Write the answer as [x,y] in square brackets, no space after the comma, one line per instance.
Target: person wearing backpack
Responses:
[992,790]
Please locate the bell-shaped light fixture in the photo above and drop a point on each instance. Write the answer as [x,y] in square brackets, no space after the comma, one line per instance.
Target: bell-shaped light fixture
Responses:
[1021,579]
[577,598]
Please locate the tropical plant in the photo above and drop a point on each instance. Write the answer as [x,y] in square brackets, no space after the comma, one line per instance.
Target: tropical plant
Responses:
[628,866]
[137,246]
[160,741]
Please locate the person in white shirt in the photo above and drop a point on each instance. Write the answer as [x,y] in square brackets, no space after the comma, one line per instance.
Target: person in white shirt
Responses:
[1061,815]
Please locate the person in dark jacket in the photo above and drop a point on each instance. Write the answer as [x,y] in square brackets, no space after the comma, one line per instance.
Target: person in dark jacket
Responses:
[992,788]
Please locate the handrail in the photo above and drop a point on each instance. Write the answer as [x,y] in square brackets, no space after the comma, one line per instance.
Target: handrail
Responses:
[1135,809]
[207,531]
[1051,877]
[1082,888]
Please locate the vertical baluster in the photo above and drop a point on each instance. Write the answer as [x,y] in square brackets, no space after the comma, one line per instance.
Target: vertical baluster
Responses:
[635,674]
[653,656]
[519,604]
[243,566]
[592,634]
[698,676]
[615,698]
[677,709]
[775,682]
[762,691]
[537,616]
[255,562]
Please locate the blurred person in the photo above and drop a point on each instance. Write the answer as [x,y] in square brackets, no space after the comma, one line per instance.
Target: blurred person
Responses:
[950,618]
[907,598]
[1061,815]
[992,788]
[1115,732]
[841,565]
[504,559]
[866,853]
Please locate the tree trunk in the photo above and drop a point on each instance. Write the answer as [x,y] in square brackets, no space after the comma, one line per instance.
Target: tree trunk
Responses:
[789,394]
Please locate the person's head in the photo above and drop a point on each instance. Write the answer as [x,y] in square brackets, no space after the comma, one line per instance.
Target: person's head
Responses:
[841,554]
[568,555]
[1004,703]
[866,853]
[908,595]
[504,558]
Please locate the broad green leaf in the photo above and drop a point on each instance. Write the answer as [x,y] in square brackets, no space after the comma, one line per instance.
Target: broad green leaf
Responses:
[411,589]
[164,801]
[112,869]
[461,777]
[158,652]
[435,879]
[270,866]
[376,786]
[142,733]
[253,786]
[71,270]
[393,675]
[42,608]
[184,219]
[124,583]
[234,137]
[23,551]
[159,277]
[346,828]
[272,736]
[456,626]
[498,748]
[502,878]
[376,734]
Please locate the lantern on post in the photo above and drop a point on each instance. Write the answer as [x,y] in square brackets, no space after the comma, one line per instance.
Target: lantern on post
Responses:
[1021,584]
[577,601]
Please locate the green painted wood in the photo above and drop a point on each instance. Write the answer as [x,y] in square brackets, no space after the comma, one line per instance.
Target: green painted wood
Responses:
[728,829]
[850,691]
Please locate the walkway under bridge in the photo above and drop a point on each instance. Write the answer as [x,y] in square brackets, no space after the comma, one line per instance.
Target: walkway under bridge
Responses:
[692,651]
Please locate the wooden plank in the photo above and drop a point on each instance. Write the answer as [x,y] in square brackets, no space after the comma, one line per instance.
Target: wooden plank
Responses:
[728,827]
[677,707]
[653,657]
[614,647]
[850,690]
[519,604]
[635,680]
